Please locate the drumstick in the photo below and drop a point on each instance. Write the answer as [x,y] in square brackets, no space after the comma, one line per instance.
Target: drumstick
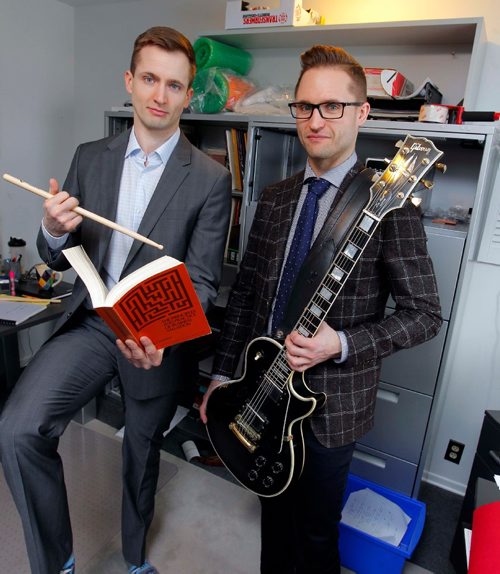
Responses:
[83,212]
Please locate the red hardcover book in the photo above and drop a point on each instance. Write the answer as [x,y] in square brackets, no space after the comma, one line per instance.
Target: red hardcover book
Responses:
[157,301]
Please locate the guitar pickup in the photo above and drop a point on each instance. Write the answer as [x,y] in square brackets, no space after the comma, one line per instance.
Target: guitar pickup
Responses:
[245,433]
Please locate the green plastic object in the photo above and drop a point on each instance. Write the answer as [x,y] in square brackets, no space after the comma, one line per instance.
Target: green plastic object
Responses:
[211,91]
[211,53]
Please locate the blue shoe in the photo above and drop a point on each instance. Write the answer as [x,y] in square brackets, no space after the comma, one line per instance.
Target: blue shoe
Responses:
[69,567]
[146,568]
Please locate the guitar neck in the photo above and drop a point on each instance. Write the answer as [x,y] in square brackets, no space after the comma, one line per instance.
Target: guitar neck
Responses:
[336,276]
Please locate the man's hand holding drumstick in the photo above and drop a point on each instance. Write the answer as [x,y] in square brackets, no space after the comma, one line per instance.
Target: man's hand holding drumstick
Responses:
[59,216]
[83,212]
[62,215]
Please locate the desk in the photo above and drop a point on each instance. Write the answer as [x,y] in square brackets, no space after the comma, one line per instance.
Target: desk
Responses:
[10,367]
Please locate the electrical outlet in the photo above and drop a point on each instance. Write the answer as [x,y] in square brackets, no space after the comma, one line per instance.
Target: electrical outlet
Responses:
[454,451]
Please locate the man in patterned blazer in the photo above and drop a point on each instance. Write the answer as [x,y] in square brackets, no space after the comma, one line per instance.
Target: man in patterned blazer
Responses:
[152,180]
[300,526]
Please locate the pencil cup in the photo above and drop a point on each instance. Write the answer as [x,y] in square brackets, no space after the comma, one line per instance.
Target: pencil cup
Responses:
[17,247]
[15,266]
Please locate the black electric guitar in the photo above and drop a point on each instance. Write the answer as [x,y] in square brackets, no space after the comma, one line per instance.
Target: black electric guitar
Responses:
[255,422]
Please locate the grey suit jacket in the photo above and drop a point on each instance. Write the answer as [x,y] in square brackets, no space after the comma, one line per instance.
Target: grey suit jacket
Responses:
[188,214]
[395,262]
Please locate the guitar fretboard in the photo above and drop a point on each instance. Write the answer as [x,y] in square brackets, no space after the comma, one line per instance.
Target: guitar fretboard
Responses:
[327,292]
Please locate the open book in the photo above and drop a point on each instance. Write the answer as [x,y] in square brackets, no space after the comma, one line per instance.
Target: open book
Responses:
[157,301]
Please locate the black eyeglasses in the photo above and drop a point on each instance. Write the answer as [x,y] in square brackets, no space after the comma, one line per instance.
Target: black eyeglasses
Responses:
[327,110]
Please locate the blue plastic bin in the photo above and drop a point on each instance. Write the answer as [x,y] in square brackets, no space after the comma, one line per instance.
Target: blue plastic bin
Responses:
[365,554]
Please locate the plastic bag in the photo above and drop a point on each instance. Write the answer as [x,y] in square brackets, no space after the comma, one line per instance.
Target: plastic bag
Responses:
[273,100]
[216,89]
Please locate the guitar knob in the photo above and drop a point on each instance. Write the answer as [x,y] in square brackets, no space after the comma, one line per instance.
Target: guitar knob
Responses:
[253,475]
[277,467]
[260,461]
[268,481]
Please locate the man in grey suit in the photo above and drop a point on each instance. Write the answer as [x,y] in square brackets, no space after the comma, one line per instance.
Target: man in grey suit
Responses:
[343,359]
[152,180]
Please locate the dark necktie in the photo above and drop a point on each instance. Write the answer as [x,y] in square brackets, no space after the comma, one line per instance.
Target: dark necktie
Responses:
[299,247]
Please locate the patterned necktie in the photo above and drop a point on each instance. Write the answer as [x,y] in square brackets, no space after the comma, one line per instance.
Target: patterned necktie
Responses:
[299,247]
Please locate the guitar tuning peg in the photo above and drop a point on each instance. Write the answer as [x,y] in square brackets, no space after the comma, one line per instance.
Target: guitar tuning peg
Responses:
[442,167]
[427,183]
[415,200]
[387,161]
[375,177]
[398,144]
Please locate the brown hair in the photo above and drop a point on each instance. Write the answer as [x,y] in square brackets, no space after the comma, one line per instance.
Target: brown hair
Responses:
[320,56]
[167,39]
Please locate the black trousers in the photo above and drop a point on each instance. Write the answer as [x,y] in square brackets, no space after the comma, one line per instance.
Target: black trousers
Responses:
[68,371]
[299,528]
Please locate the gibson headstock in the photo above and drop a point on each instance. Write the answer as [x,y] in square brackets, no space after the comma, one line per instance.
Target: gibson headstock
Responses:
[416,156]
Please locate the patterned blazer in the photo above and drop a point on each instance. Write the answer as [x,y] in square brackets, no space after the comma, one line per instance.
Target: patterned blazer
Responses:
[395,262]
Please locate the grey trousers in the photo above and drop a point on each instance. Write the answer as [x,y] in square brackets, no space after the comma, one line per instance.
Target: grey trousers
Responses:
[68,371]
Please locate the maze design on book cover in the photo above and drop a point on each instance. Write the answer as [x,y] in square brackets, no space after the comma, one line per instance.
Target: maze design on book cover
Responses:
[156,298]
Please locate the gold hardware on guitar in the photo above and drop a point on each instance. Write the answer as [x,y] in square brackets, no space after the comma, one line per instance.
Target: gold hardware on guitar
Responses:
[246,443]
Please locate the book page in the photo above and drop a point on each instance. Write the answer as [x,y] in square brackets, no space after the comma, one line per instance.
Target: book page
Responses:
[82,264]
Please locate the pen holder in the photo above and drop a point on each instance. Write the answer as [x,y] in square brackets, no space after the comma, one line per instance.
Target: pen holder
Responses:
[17,247]
[47,278]
[14,266]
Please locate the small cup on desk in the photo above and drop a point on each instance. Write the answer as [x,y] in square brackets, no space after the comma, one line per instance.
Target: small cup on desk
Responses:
[47,277]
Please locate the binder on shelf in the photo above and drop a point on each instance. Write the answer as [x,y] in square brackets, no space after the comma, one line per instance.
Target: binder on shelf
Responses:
[236,153]
[233,235]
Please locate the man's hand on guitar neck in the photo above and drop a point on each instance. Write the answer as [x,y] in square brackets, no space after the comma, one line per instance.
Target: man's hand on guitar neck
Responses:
[302,353]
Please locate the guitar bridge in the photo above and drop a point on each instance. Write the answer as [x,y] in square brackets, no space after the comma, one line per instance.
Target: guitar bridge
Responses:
[245,433]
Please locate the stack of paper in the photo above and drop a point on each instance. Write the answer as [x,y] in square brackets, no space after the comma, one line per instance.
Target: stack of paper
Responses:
[15,312]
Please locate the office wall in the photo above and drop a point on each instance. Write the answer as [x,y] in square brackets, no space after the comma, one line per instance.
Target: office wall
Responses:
[36,111]
[36,119]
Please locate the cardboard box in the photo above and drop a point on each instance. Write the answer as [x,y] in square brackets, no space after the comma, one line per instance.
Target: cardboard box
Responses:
[285,13]
[365,554]
[387,83]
